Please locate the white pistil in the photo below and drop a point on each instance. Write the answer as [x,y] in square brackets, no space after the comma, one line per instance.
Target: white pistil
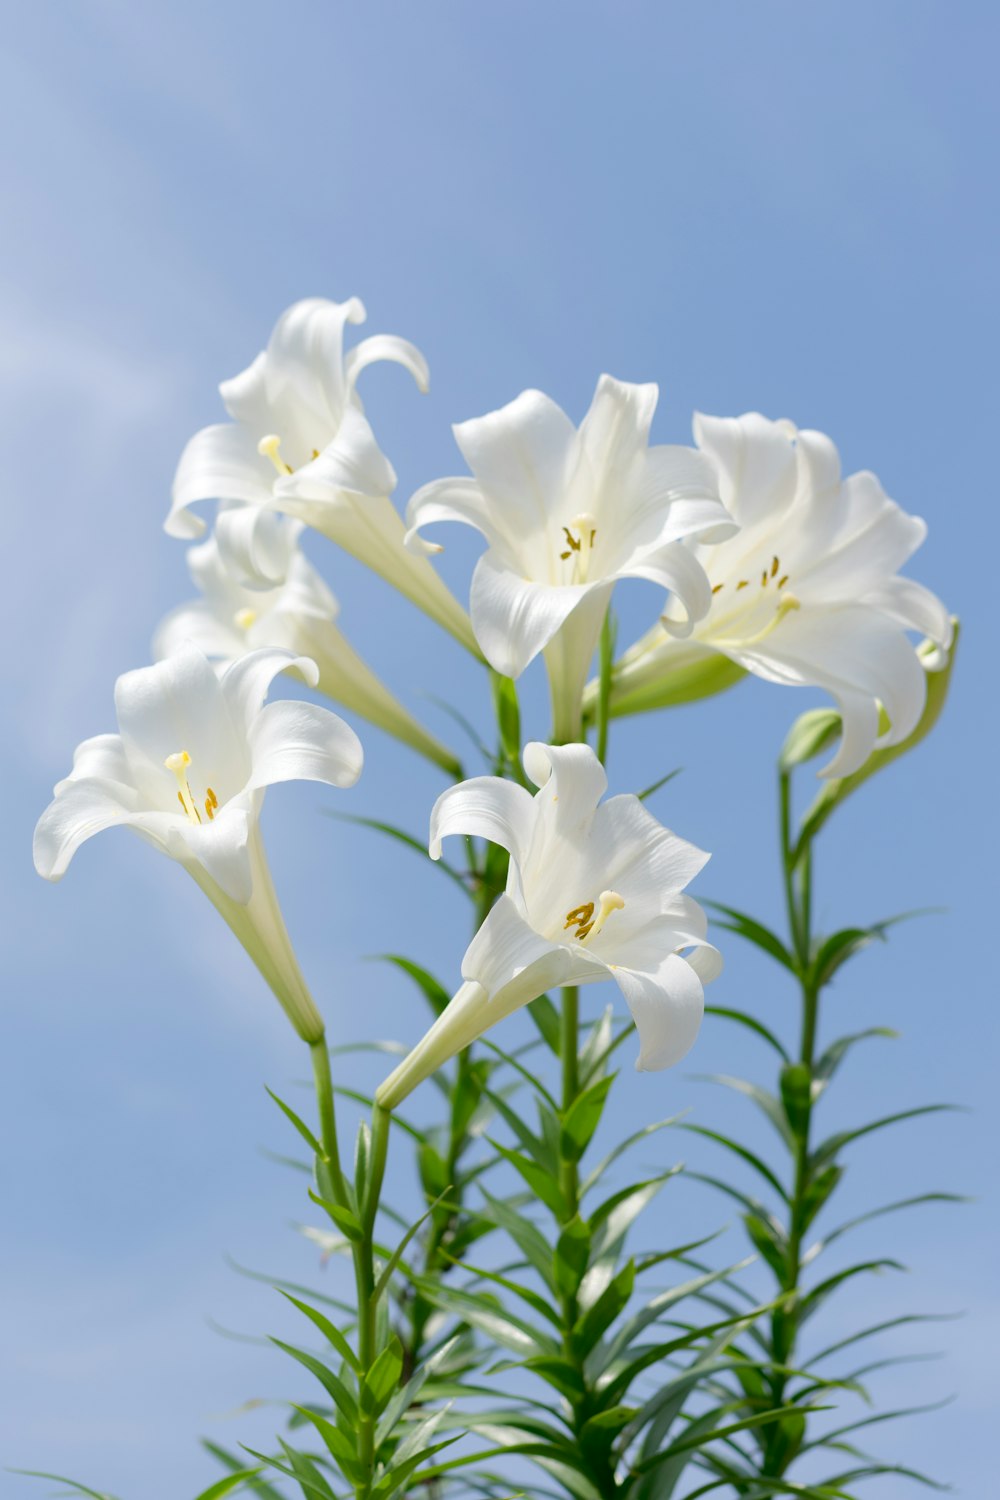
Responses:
[178,763]
[268,447]
[580,535]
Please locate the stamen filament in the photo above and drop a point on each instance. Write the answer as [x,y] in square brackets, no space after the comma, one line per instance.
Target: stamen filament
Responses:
[268,448]
[178,763]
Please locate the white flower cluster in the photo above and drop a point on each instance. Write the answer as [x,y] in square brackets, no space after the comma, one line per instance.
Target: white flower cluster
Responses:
[767,560]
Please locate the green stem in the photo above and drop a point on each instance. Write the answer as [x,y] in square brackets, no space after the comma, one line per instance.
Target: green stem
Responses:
[327,1117]
[364,1278]
[569,1043]
[797,869]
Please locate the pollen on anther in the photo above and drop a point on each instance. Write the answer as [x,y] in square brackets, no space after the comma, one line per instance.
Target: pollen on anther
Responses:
[716,587]
[782,580]
[743,584]
[763,579]
[774,567]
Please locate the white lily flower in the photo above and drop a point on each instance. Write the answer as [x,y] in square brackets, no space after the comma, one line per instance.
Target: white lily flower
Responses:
[594,892]
[807,594]
[567,512]
[187,771]
[297,614]
[299,443]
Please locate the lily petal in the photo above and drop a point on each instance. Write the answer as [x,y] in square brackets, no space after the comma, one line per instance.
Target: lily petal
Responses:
[523,455]
[80,809]
[514,618]
[667,1007]
[245,683]
[515,965]
[302,742]
[220,847]
[386,346]
[571,781]
[484,807]
[219,463]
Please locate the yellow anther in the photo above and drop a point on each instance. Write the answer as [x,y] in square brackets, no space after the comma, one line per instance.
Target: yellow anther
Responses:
[211,803]
[586,923]
[782,580]
[580,534]
[244,618]
[763,579]
[178,763]
[580,918]
[268,448]
[774,567]
[744,583]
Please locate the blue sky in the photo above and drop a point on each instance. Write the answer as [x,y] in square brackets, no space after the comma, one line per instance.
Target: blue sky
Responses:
[777,206]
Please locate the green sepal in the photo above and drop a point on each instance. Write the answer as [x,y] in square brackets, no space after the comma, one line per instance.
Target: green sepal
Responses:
[811,733]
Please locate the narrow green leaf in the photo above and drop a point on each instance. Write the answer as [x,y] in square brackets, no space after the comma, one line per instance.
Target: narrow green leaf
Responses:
[583,1117]
[540,1181]
[652,790]
[835,1143]
[742,1152]
[397,1254]
[331,1383]
[571,1256]
[742,1018]
[81,1489]
[402,837]
[342,1450]
[345,1219]
[753,931]
[434,993]
[383,1377]
[300,1125]
[546,1018]
[598,1318]
[329,1331]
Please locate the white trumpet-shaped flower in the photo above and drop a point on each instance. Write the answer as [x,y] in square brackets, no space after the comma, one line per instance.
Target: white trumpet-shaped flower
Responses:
[299,443]
[595,891]
[808,593]
[187,771]
[298,614]
[566,512]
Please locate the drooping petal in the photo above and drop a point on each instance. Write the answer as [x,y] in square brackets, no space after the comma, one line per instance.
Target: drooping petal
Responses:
[458,500]
[302,742]
[103,756]
[80,809]
[245,684]
[858,655]
[914,607]
[219,463]
[676,568]
[667,1006]
[515,618]
[381,346]
[484,807]
[872,539]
